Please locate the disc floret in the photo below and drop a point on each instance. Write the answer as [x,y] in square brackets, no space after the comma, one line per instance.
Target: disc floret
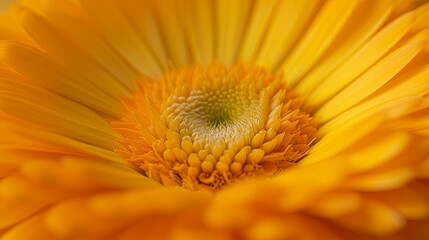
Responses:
[204,128]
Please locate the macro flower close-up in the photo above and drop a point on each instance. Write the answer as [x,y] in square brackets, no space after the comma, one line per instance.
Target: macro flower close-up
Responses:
[214,119]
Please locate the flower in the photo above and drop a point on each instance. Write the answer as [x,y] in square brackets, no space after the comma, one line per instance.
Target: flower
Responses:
[217,119]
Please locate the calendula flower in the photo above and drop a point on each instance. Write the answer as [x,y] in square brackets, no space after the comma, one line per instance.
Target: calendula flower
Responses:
[198,119]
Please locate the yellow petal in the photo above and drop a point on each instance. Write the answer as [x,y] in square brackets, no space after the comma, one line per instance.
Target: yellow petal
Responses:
[33,139]
[142,17]
[112,174]
[373,218]
[416,122]
[6,169]
[362,59]
[370,81]
[339,139]
[422,17]
[317,39]
[40,69]
[381,180]
[423,169]
[14,211]
[291,182]
[377,152]
[335,204]
[367,18]
[169,21]
[231,18]
[11,141]
[18,188]
[292,226]
[258,23]
[397,89]
[408,201]
[290,19]
[199,29]
[73,220]
[57,113]
[151,228]
[91,58]
[35,226]
[156,201]
[190,229]
[55,175]
[120,34]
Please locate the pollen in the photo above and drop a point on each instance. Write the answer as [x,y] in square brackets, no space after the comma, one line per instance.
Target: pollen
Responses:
[204,128]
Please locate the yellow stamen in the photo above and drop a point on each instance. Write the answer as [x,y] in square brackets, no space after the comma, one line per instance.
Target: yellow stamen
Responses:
[204,128]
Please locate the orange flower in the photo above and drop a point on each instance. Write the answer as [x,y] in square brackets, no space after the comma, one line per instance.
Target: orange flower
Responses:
[180,119]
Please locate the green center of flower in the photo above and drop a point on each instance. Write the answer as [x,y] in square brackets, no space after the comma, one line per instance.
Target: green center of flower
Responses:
[217,108]
[205,128]
[217,114]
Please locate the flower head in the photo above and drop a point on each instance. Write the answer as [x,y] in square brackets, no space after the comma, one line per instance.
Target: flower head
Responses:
[206,128]
[239,119]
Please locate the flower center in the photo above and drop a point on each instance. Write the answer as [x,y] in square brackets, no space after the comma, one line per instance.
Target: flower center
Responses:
[204,128]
